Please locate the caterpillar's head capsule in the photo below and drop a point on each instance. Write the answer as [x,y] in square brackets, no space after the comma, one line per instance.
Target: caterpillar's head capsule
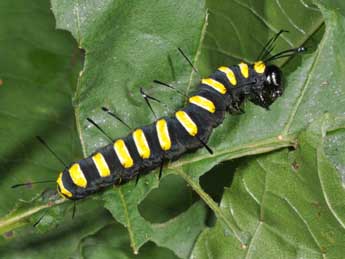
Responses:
[271,89]
[273,85]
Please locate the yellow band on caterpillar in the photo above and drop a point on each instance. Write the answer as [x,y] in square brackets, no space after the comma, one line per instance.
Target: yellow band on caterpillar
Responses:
[77,175]
[62,190]
[141,143]
[101,165]
[244,69]
[163,134]
[229,74]
[203,103]
[219,87]
[123,153]
[187,123]
[259,67]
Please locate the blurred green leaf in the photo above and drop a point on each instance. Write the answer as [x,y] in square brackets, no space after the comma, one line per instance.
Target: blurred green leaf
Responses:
[64,241]
[38,71]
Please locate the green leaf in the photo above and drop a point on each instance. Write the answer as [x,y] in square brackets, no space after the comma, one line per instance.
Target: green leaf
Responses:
[168,234]
[334,149]
[112,242]
[291,204]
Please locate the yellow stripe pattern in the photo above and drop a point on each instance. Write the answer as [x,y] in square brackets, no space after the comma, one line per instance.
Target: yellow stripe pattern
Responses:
[219,87]
[203,103]
[101,165]
[259,67]
[123,153]
[187,123]
[62,190]
[77,175]
[163,134]
[229,74]
[244,69]
[141,143]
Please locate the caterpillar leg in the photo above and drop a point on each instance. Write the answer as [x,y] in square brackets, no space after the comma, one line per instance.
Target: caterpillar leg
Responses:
[235,109]
[137,179]
[161,169]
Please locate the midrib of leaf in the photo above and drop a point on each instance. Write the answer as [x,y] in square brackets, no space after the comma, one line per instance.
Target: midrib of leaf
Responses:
[78,23]
[252,240]
[76,98]
[263,20]
[129,225]
[76,104]
[16,220]
[263,146]
[213,205]
[197,54]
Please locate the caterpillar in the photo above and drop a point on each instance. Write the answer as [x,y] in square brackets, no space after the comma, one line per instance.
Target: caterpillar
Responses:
[167,138]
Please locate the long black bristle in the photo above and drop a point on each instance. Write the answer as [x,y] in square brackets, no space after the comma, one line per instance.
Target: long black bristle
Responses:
[99,128]
[188,60]
[51,150]
[116,117]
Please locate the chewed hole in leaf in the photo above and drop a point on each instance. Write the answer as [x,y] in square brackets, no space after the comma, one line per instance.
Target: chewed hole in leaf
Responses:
[219,177]
[170,199]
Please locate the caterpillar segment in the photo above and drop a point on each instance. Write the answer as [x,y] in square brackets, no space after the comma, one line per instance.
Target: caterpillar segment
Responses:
[101,165]
[170,137]
[203,102]
[141,143]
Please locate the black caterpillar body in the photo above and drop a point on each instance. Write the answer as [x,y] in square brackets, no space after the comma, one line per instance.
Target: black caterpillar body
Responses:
[145,148]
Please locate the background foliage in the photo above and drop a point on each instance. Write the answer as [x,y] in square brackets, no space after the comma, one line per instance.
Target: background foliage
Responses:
[287,203]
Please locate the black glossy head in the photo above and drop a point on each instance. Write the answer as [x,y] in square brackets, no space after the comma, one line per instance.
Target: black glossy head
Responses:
[273,85]
[271,88]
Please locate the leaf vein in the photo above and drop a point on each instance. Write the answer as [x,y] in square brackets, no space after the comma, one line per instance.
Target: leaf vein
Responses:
[301,96]
[212,204]
[129,225]
[251,242]
[289,19]
[341,223]
[263,20]
[198,52]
